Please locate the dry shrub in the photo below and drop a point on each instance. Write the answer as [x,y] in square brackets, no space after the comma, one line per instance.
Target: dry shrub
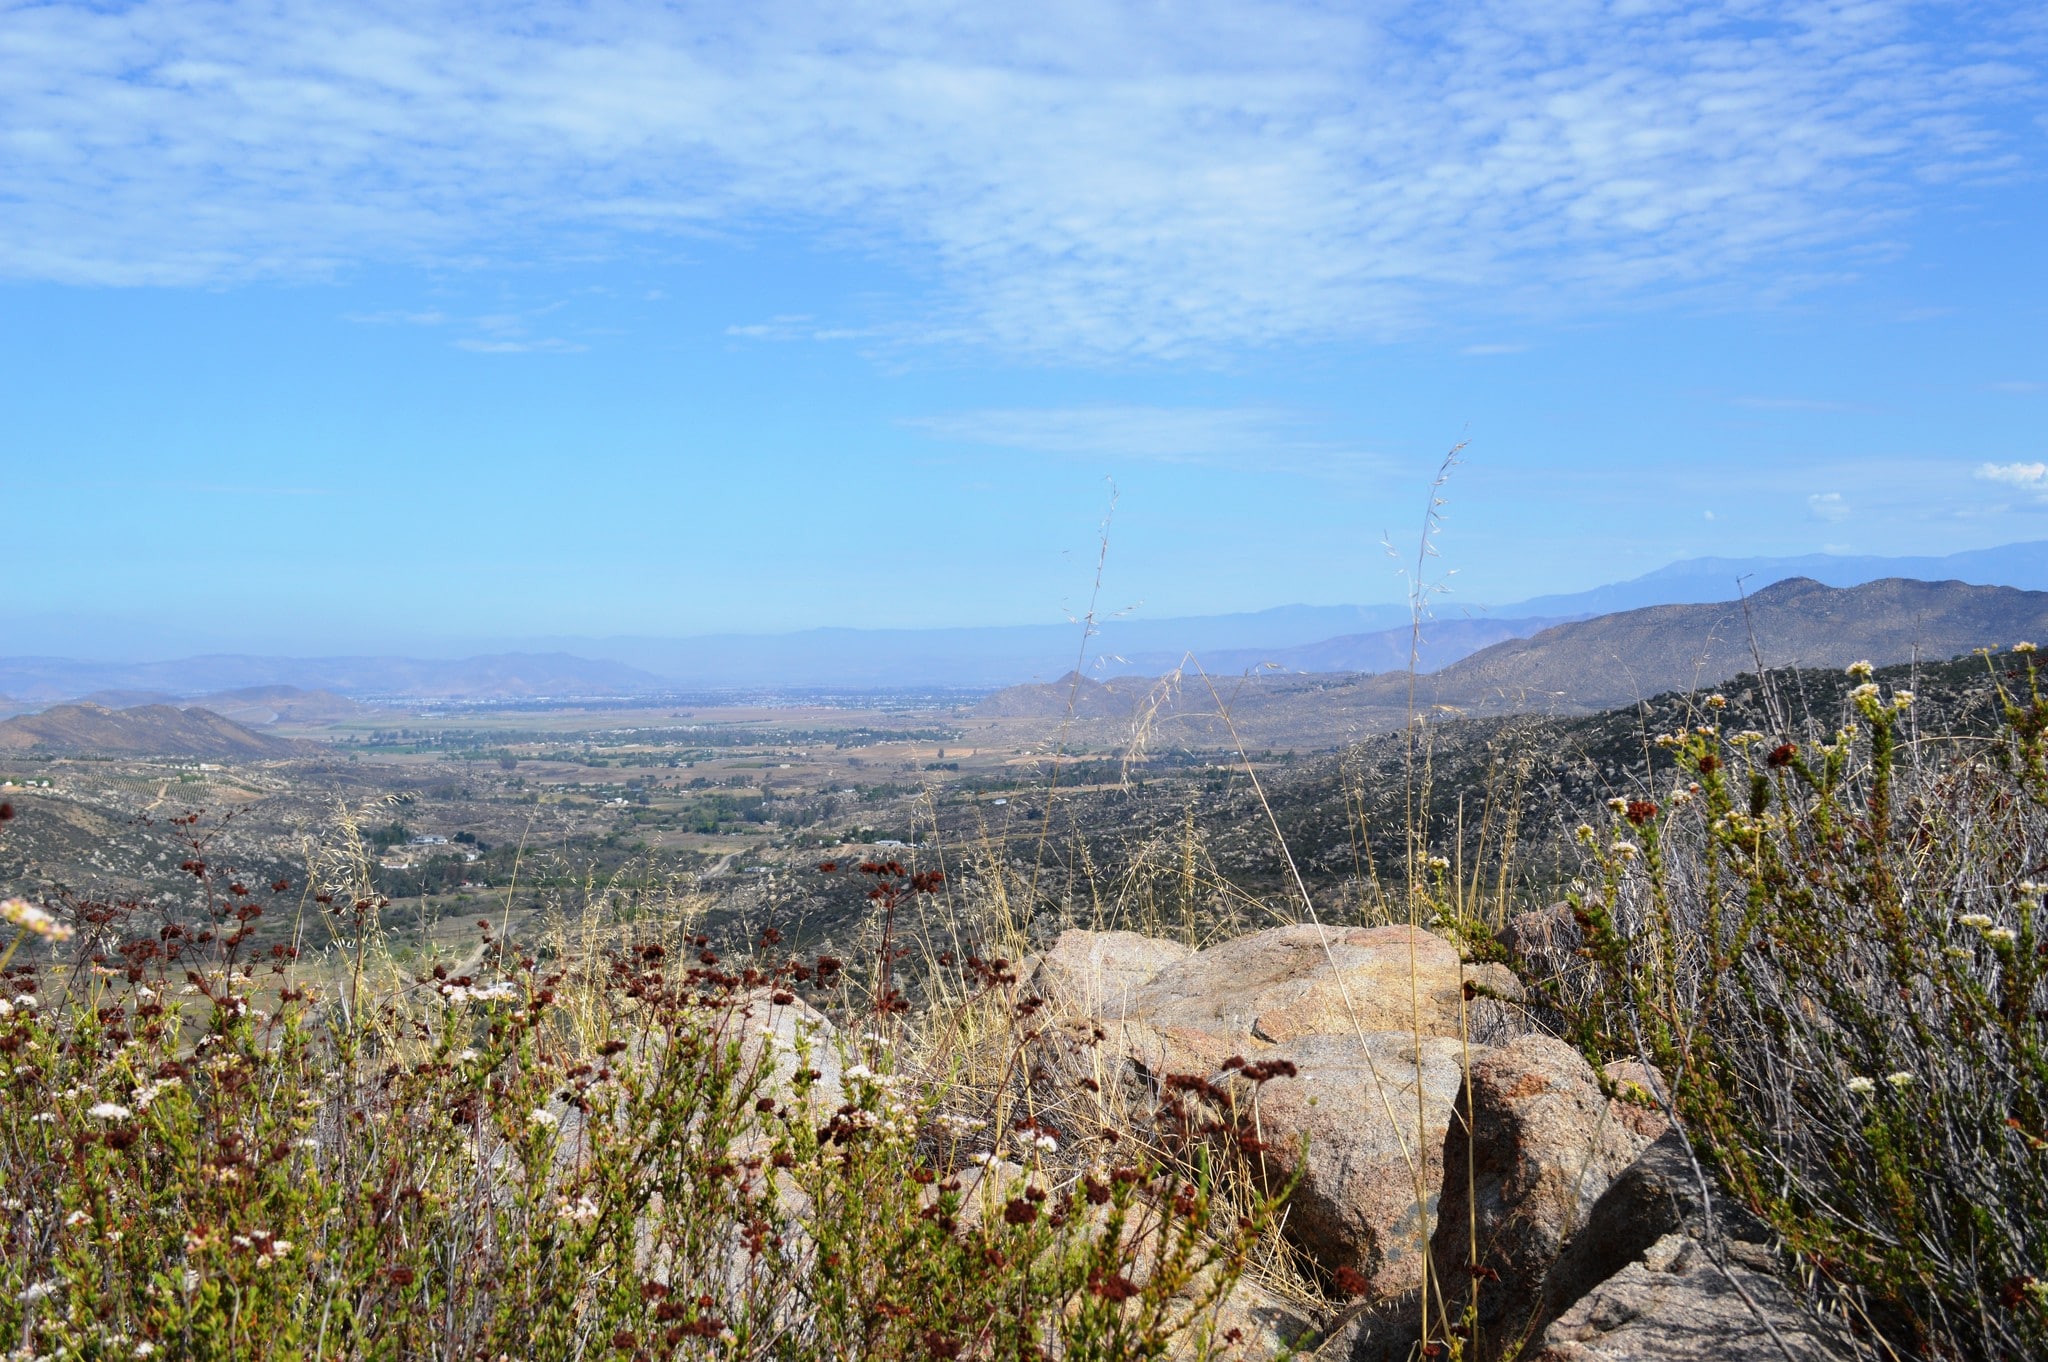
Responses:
[1836,949]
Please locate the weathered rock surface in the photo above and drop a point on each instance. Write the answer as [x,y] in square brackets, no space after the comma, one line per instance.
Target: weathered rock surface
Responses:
[1264,1325]
[1543,1145]
[1096,973]
[1086,1073]
[1674,1305]
[1656,1196]
[798,1036]
[1287,982]
[1374,1110]
[1639,1092]
[1544,942]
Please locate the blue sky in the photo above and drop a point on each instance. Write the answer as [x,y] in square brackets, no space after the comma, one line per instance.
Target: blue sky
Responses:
[334,326]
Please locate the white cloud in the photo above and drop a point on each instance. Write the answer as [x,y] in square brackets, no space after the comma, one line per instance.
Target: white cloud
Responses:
[547,345]
[1234,437]
[1811,404]
[2027,477]
[1264,174]
[1827,506]
[396,318]
[797,327]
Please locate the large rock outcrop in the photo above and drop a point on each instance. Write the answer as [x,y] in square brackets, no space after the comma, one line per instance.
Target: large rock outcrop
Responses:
[1674,1304]
[1287,982]
[1658,1195]
[1542,1146]
[1096,974]
[1374,1110]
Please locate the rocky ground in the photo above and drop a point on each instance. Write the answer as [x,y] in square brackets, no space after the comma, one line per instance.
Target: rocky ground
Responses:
[1462,1173]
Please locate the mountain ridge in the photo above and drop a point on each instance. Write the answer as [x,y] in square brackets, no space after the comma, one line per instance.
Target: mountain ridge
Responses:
[142,731]
[1301,638]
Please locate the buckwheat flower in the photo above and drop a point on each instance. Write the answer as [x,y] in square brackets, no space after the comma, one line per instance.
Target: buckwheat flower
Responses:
[2001,934]
[1862,1086]
[30,918]
[75,1219]
[465,1055]
[37,1291]
[1977,920]
[1861,670]
[858,1072]
[1439,863]
[1900,1080]
[1625,850]
[1717,701]
[542,1117]
[1866,691]
[1902,698]
[27,1002]
[1046,1143]
[1617,805]
[308,1143]
[2023,647]
[1585,832]
[1958,952]
[2028,887]
[108,1111]
[581,1211]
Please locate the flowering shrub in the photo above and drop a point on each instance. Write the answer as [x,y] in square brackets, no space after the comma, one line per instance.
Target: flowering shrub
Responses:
[206,1151]
[1837,951]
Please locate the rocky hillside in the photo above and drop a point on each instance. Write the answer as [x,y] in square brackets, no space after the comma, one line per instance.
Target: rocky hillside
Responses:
[1616,659]
[1577,668]
[145,731]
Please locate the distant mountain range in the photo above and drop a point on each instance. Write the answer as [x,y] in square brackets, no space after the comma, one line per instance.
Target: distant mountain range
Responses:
[1294,638]
[500,676]
[1578,667]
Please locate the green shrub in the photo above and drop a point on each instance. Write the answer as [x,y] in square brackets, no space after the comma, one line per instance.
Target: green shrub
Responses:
[1836,951]
[207,1157]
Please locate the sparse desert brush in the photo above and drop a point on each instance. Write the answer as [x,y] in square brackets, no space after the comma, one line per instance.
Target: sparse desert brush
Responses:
[653,1154]
[1835,949]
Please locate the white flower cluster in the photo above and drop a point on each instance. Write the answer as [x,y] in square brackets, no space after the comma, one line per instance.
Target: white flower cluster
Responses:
[1981,924]
[502,991]
[268,1247]
[30,918]
[581,1211]
[150,1091]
